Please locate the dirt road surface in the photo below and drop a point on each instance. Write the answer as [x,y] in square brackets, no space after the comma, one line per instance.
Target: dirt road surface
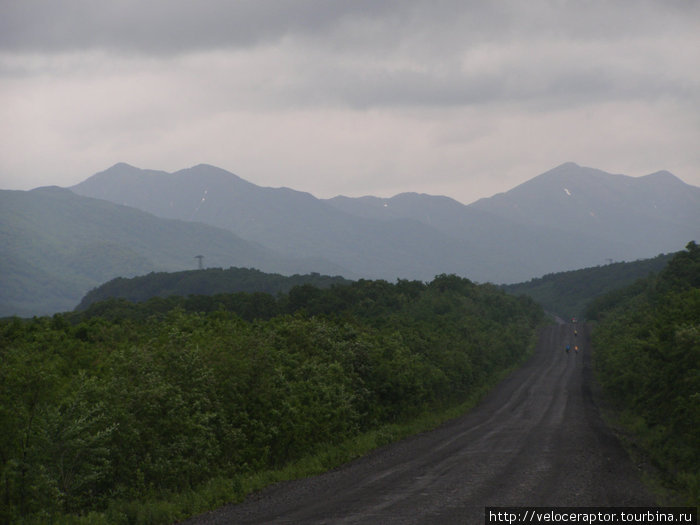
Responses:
[536,440]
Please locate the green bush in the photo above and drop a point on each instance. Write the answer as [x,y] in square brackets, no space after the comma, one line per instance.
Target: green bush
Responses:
[647,357]
[115,413]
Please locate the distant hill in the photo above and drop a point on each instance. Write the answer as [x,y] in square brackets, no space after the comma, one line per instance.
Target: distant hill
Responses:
[637,216]
[57,245]
[568,294]
[568,218]
[290,222]
[202,282]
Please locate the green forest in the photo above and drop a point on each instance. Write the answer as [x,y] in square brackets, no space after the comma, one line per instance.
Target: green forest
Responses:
[210,281]
[150,412]
[568,294]
[647,358]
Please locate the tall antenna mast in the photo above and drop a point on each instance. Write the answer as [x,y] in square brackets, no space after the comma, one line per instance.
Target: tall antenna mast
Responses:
[199,260]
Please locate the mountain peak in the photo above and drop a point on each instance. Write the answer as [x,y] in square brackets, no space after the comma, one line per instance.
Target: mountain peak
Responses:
[662,176]
[207,169]
[566,166]
[120,169]
[204,165]
[56,190]
[573,170]
[122,166]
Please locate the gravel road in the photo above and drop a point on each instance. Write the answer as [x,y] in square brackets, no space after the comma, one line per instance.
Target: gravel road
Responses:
[536,440]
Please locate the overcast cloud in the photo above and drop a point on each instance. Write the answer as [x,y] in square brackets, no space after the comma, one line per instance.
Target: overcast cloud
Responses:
[458,98]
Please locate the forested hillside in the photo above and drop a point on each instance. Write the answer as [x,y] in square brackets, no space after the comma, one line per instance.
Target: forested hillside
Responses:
[647,357]
[149,416]
[209,281]
[56,246]
[567,294]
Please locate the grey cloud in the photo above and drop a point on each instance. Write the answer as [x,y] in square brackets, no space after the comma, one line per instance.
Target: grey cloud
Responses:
[392,53]
[160,81]
[567,78]
[176,26]
[166,26]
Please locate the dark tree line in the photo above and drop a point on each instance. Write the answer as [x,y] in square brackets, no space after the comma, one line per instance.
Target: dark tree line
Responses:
[211,281]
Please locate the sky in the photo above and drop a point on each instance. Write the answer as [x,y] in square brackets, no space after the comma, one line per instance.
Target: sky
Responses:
[462,98]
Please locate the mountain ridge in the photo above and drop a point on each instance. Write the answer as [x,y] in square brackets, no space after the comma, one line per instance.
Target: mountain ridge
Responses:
[58,245]
[296,223]
[58,242]
[568,217]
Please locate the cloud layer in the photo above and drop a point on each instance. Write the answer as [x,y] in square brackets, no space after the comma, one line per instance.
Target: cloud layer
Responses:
[452,97]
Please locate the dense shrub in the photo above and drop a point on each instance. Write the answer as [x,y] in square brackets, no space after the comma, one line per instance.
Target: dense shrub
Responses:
[647,356]
[137,401]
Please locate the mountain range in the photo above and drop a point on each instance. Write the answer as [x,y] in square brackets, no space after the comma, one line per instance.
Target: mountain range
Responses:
[567,218]
[127,221]
[56,246]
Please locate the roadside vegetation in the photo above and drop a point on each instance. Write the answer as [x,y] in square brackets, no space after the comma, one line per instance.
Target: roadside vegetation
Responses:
[150,412]
[647,359]
[567,294]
